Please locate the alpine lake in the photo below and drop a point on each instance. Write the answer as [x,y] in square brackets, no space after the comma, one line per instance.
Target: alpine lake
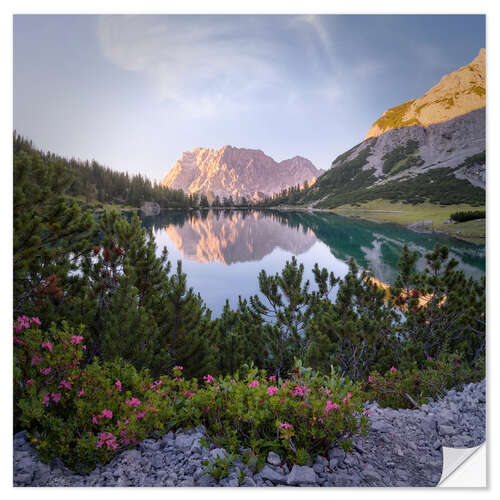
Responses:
[223,251]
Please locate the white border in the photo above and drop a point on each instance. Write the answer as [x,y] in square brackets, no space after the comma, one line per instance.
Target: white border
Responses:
[10,7]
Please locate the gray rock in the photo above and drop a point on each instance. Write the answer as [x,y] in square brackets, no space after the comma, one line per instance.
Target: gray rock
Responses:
[380,426]
[184,441]
[269,474]
[157,461]
[273,458]
[301,474]
[446,430]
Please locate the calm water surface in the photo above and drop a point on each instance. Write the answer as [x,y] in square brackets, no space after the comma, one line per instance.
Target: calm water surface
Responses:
[222,252]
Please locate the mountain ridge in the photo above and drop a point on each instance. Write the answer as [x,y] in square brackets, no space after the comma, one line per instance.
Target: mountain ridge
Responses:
[456,94]
[237,172]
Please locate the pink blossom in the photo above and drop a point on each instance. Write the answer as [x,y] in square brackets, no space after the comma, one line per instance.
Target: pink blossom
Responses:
[56,397]
[17,327]
[48,345]
[107,439]
[284,425]
[272,390]
[36,320]
[29,381]
[132,402]
[255,383]
[18,341]
[208,379]
[76,339]
[180,368]
[81,393]
[95,420]
[107,413]
[118,386]
[272,377]
[84,347]
[141,414]
[428,358]
[329,406]
[64,384]
[370,379]
[300,391]
[45,371]
[46,399]
[393,369]
[36,359]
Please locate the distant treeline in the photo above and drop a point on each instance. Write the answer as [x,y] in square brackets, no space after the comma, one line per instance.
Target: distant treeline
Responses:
[98,183]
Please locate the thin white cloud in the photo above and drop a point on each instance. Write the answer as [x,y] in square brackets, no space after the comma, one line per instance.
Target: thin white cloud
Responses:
[195,62]
[207,64]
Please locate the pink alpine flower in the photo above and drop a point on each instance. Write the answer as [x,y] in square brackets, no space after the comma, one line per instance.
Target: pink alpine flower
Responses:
[393,369]
[48,345]
[208,379]
[141,414]
[36,359]
[272,390]
[64,384]
[107,439]
[180,368]
[29,381]
[46,399]
[107,414]
[45,371]
[133,402]
[56,397]
[18,341]
[76,339]
[272,377]
[118,386]
[329,407]
[284,425]
[370,379]
[36,320]
[254,383]
[81,393]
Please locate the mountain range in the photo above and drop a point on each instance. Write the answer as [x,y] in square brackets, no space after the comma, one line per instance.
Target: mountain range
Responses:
[432,148]
[237,172]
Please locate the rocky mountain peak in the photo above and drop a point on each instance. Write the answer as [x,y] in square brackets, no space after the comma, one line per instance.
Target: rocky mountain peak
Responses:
[456,94]
[237,172]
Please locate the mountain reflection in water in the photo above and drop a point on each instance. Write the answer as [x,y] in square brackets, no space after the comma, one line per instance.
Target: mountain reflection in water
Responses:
[227,248]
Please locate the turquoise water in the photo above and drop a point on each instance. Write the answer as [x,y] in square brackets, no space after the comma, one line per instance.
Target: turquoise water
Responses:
[222,252]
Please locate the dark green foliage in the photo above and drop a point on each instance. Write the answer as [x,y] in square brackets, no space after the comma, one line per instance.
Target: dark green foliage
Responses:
[439,186]
[356,331]
[469,215]
[50,233]
[477,159]
[402,155]
[238,338]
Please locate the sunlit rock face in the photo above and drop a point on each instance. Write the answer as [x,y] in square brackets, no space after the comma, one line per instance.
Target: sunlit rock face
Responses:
[240,237]
[237,172]
[457,94]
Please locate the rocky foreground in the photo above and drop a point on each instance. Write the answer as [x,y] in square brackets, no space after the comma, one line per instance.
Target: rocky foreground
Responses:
[402,448]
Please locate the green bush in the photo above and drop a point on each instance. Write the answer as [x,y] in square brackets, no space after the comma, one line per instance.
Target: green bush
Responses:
[397,389]
[470,215]
[85,416]
[298,417]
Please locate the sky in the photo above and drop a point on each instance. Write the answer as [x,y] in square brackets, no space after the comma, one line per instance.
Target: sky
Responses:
[134,92]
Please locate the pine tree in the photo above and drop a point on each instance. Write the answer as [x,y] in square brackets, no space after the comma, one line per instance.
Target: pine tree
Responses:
[50,233]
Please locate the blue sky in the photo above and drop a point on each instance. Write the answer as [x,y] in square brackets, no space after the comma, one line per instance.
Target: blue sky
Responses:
[134,92]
